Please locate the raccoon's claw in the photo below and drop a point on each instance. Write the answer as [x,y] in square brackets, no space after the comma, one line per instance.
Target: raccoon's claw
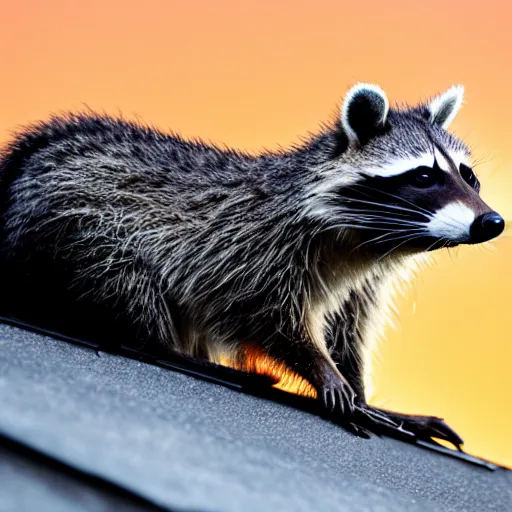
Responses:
[380,424]
[437,428]
[427,427]
[378,417]
[423,428]
[338,398]
[358,430]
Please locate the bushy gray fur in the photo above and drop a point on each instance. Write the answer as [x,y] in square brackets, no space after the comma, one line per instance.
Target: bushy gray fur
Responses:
[201,249]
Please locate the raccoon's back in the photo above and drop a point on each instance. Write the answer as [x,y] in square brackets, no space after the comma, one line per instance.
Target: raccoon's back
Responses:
[81,196]
[101,159]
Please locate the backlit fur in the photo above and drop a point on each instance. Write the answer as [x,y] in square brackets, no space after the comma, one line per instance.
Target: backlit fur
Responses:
[122,231]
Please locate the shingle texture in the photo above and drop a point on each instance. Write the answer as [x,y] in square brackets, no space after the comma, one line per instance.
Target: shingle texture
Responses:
[185,444]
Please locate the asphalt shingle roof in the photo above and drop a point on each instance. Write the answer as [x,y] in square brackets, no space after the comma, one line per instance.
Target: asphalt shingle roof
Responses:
[181,443]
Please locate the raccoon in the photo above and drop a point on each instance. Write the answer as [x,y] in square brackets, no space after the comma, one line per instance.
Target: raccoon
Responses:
[114,230]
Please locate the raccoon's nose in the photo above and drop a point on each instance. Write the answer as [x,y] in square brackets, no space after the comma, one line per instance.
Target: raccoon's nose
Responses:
[486,227]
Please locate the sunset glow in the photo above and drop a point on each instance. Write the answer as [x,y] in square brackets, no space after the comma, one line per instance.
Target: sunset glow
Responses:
[258,74]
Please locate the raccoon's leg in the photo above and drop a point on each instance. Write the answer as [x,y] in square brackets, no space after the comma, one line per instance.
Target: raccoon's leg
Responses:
[119,306]
[138,303]
[299,352]
[345,340]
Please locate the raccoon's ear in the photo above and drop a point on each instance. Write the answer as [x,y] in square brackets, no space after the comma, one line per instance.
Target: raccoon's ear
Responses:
[364,113]
[442,109]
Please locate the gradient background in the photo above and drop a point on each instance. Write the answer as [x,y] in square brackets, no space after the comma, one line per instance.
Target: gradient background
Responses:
[261,73]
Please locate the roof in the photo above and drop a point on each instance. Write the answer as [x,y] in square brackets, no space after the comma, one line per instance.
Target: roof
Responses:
[88,430]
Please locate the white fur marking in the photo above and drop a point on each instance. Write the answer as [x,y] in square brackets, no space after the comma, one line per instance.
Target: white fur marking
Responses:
[456,157]
[400,166]
[452,222]
[459,157]
[443,163]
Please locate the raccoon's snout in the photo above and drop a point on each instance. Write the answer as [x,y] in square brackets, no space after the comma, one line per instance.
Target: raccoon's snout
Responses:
[486,227]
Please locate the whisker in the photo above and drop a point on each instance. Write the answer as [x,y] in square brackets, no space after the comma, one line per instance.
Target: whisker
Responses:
[354,226]
[416,207]
[400,244]
[378,239]
[449,252]
[403,235]
[434,243]
[379,220]
[372,240]
[381,212]
[393,207]
[376,213]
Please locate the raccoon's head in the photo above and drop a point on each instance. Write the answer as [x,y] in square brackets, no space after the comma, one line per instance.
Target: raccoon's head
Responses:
[398,180]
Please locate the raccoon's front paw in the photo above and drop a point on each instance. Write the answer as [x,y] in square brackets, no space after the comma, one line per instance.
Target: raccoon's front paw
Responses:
[423,427]
[404,426]
[376,422]
[337,397]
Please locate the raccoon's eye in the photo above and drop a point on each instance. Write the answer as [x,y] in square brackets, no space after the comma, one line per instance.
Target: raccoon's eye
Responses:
[424,177]
[468,175]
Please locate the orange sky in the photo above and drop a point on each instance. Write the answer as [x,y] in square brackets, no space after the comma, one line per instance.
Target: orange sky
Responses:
[261,73]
